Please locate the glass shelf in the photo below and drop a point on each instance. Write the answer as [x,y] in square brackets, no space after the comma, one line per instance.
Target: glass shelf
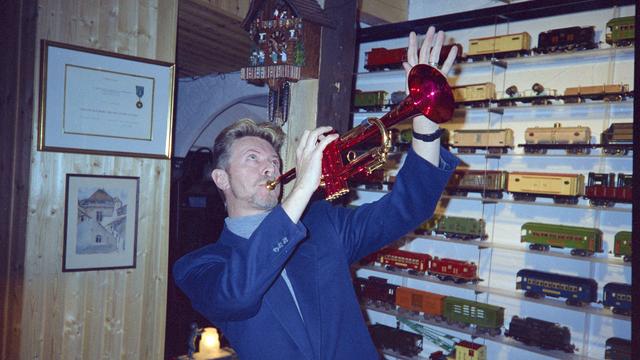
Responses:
[615,110]
[539,202]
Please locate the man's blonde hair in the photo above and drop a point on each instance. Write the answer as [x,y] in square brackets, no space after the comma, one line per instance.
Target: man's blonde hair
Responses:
[273,134]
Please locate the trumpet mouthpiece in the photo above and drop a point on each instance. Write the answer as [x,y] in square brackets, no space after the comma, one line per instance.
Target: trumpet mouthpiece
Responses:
[271,184]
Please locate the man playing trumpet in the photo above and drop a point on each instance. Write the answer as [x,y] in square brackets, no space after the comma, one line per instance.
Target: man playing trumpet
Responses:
[277,282]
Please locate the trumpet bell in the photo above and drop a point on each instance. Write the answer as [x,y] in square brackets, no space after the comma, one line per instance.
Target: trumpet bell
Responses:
[430,93]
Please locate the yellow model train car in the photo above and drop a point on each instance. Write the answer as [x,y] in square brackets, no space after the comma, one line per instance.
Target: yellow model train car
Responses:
[562,188]
[610,92]
[495,141]
[501,46]
[539,139]
[474,94]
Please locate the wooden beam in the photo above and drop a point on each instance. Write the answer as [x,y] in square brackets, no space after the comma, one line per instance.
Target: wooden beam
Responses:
[18,26]
[337,63]
[378,12]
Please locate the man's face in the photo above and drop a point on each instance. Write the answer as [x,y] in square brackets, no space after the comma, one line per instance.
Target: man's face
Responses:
[252,162]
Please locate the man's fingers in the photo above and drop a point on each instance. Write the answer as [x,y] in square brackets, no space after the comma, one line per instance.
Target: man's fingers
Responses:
[450,59]
[426,45]
[412,50]
[312,140]
[325,142]
[437,47]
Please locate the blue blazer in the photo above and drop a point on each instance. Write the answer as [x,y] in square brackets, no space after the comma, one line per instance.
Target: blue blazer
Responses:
[236,282]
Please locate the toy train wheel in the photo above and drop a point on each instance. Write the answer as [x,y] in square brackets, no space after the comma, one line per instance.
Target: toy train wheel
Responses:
[572,302]
[626,258]
[523,197]
[442,277]
[493,194]
[578,252]
[533,295]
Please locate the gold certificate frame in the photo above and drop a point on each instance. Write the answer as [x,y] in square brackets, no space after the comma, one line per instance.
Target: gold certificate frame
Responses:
[97,102]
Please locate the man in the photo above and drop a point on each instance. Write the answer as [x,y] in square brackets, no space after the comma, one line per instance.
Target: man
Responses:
[277,282]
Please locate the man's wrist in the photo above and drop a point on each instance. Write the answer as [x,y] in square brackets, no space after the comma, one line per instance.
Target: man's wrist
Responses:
[428,137]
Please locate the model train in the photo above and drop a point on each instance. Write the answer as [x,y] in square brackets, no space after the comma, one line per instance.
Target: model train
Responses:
[501,46]
[619,32]
[489,183]
[622,245]
[397,340]
[382,59]
[617,349]
[600,189]
[454,227]
[577,291]
[494,141]
[484,94]
[617,297]
[617,139]
[484,318]
[566,39]
[541,333]
[607,190]
[419,263]
[572,139]
[581,240]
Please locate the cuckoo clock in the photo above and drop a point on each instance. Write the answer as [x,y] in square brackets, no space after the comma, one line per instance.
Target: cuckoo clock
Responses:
[286,47]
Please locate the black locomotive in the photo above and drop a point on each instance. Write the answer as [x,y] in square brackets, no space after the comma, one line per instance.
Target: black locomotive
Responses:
[566,39]
[540,333]
[617,349]
[399,341]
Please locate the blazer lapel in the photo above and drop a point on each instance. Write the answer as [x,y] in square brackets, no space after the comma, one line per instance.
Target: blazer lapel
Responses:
[284,308]
[302,270]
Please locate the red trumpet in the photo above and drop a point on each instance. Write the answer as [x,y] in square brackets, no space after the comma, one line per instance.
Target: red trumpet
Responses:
[429,94]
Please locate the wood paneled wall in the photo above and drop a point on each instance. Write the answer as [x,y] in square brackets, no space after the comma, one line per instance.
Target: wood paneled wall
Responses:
[115,314]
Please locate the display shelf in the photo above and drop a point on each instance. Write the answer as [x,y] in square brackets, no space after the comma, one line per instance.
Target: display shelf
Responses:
[557,354]
[479,289]
[484,244]
[618,109]
[557,72]
[546,202]
[487,16]
[601,155]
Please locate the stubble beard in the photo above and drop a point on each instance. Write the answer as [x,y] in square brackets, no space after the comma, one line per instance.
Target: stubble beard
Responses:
[257,201]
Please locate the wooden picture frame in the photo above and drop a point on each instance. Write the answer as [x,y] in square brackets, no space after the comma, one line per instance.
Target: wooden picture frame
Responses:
[97,102]
[101,222]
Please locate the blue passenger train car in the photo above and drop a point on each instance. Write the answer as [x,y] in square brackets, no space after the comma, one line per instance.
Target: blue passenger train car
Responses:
[617,296]
[577,291]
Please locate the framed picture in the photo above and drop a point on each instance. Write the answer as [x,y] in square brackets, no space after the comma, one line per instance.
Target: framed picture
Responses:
[101,222]
[97,102]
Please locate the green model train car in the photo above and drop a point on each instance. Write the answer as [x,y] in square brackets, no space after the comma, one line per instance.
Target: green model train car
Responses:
[461,228]
[370,100]
[622,31]
[486,318]
[622,245]
[581,240]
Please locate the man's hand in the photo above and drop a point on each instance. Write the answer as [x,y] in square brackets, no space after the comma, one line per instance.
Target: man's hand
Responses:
[429,54]
[308,170]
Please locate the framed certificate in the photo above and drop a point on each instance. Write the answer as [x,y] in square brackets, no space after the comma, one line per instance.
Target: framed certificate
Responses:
[97,102]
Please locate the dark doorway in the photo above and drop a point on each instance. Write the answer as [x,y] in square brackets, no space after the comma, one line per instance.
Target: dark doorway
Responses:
[196,219]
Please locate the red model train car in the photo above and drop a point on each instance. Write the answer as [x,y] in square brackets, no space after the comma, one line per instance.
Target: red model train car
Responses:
[381,58]
[394,258]
[605,190]
[455,270]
